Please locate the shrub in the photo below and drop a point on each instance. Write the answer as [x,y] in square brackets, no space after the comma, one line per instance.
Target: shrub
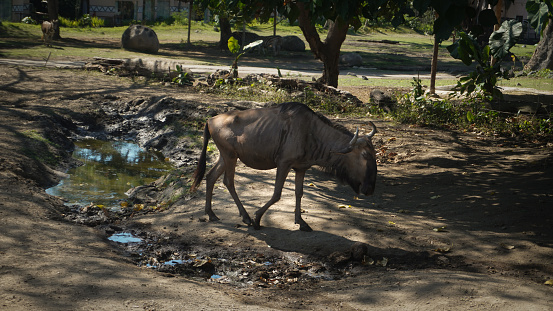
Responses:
[28,20]
[468,114]
[85,21]
[180,18]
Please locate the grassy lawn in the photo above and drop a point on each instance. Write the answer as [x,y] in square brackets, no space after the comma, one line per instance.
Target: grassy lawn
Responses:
[401,50]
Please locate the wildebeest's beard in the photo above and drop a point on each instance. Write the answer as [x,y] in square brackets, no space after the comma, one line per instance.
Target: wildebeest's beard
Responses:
[344,176]
[338,169]
[367,187]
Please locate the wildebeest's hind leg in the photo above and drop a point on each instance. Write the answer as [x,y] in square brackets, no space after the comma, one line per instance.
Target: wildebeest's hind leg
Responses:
[282,172]
[300,174]
[228,180]
[210,180]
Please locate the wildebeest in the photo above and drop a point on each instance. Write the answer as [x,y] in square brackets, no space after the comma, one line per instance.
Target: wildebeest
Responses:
[48,31]
[288,136]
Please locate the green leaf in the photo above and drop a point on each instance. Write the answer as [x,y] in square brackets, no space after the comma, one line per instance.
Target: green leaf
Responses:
[398,20]
[486,53]
[233,45]
[487,18]
[454,50]
[442,28]
[466,49]
[421,6]
[538,12]
[503,39]
[470,116]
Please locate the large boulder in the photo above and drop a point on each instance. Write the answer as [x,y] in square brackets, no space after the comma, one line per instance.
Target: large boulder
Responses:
[292,43]
[140,38]
[351,59]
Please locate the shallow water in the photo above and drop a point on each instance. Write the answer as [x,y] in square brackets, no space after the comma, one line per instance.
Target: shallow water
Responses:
[110,169]
[124,238]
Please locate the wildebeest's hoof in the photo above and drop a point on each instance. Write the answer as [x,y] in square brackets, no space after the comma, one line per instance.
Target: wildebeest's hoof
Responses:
[213,217]
[256,225]
[247,220]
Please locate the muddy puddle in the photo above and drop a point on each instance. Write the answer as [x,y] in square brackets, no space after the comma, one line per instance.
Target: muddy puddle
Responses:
[109,169]
[96,196]
[173,255]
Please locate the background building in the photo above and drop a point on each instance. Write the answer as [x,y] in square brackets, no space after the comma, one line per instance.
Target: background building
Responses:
[112,11]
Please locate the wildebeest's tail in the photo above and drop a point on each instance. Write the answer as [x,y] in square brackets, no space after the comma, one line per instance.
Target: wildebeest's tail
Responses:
[200,170]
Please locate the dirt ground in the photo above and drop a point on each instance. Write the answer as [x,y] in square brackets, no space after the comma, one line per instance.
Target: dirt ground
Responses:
[457,221]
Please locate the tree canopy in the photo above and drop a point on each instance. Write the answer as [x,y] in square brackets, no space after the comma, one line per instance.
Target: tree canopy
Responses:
[341,16]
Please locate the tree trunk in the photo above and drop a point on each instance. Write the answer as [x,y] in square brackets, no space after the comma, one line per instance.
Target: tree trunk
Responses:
[434,66]
[434,63]
[53,16]
[329,50]
[226,32]
[190,4]
[274,21]
[497,9]
[543,55]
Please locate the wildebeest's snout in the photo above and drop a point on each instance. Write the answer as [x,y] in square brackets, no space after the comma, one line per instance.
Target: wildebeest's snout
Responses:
[367,188]
[368,185]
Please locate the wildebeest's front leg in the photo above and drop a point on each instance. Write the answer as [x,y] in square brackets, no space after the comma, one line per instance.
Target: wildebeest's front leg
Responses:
[300,174]
[282,172]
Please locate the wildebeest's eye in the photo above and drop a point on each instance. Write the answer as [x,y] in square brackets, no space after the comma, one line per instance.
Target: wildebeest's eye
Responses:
[368,154]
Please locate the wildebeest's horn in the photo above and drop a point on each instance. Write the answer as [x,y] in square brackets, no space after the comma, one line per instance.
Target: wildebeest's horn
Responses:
[371,134]
[354,139]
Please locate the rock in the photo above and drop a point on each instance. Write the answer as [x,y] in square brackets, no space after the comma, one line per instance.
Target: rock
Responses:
[358,251]
[292,43]
[339,258]
[382,100]
[159,67]
[351,59]
[140,38]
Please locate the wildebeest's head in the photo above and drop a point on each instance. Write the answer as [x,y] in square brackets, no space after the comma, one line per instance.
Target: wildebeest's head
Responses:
[358,163]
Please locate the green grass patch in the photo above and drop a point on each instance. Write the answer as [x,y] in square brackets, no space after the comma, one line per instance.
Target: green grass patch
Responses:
[390,83]
[536,83]
[36,147]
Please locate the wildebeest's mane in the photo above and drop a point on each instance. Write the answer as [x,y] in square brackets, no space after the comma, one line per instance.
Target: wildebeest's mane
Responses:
[293,108]
[335,168]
